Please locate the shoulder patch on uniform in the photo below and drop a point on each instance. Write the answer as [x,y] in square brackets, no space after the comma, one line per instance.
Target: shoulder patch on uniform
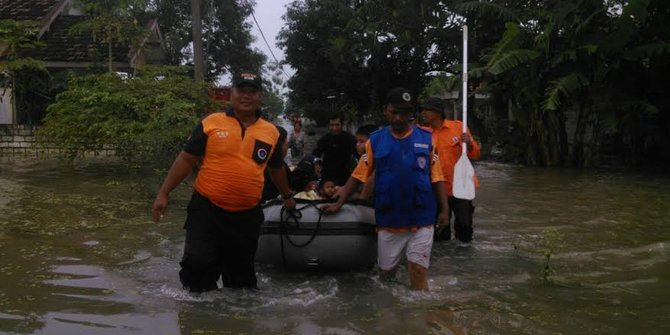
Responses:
[261,151]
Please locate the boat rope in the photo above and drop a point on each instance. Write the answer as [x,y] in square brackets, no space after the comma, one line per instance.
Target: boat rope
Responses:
[295,214]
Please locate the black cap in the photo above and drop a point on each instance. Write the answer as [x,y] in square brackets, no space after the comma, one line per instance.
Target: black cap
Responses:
[366,130]
[401,99]
[434,104]
[247,77]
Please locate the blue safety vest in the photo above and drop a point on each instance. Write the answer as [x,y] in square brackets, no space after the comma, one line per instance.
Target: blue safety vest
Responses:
[403,192]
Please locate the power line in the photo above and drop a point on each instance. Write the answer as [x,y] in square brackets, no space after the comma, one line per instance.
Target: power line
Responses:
[281,67]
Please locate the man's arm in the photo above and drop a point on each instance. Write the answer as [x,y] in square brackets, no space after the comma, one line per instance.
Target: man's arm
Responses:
[343,194]
[437,180]
[280,179]
[363,170]
[181,167]
[472,145]
[277,171]
[194,148]
[441,194]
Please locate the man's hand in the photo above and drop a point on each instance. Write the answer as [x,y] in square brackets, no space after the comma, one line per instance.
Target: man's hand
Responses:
[442,220]
[338,192]
[331,208]
[289,203]
[158,209]
[467,138]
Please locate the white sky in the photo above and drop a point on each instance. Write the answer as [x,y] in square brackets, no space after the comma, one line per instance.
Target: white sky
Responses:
[268,14]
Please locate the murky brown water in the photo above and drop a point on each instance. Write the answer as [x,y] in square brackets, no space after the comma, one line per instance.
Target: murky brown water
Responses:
[79,255]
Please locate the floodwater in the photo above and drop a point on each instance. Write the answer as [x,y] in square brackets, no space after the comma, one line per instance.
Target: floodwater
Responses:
[80,255]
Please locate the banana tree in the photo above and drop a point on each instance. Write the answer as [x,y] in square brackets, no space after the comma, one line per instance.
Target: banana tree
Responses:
[567,65]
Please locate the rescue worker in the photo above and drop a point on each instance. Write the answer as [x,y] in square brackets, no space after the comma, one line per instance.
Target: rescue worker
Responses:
[224,217]
[409,187]
[448,136]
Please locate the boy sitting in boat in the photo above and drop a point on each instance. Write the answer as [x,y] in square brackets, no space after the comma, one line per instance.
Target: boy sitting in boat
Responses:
[327,189]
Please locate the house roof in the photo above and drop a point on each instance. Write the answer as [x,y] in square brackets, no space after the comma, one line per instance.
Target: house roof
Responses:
[25,9]
[65,48]
[64,45]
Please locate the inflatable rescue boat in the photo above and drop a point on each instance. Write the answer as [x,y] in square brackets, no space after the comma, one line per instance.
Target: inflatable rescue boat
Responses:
[306,238]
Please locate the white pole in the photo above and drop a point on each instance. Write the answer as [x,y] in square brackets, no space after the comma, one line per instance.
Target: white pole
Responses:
[465,83]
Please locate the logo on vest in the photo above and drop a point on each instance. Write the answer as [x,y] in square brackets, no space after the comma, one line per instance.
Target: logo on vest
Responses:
[455,140]
[421,145]
[421,160]
[222,133]
[262,154]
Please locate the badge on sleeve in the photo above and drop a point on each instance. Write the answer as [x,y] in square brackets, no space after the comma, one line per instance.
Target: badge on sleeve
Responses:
[261,152]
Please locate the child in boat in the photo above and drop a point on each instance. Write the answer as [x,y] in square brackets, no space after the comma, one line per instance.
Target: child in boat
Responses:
[327,189]
[301,181]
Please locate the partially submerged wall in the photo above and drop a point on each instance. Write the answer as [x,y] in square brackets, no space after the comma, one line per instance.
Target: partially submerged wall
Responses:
[17,141]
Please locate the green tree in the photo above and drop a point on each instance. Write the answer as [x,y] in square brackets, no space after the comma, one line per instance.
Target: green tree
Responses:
[566,69]
[364,48]
[26,76]
[324,56]
[112,21]
[273,87]
[145,118]
[226,34]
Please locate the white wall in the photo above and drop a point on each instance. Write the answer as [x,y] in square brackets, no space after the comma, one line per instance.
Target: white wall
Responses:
[6,107]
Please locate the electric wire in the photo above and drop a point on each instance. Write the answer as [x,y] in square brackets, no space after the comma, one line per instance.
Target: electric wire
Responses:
[281,66]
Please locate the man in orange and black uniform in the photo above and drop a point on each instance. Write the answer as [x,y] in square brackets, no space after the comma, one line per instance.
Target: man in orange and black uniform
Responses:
[448,136]
[224,216]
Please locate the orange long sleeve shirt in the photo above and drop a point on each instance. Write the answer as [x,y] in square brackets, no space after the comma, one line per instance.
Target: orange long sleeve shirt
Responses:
[447,140]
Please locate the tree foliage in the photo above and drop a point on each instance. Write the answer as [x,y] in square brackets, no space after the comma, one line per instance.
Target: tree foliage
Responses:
[145,118]
[112,22]
[226,34]
[26,76]
[581,78]
[567,68]
[273,86]
[362,49]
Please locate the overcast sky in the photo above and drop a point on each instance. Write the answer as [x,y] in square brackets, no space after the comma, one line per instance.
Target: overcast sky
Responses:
[268,14]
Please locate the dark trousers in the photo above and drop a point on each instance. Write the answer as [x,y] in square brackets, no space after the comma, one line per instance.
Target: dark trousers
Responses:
[462,211]
[219,244]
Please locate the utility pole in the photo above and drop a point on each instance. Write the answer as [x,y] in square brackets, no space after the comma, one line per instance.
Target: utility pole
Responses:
[198,58]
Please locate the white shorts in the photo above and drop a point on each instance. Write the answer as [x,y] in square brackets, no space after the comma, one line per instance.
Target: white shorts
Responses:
[417,244]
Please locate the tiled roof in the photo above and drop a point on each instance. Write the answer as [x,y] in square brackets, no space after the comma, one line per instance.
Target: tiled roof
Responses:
[25,9]
[62,45]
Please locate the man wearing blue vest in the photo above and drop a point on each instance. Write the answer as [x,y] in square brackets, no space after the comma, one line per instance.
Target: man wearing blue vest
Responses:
[408,184]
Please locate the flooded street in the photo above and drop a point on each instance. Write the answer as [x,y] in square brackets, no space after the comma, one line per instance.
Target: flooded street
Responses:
[80,255]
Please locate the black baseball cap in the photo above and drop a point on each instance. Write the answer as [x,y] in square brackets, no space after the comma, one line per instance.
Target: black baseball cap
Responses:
[249,78]
[401,100]
[434,104]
